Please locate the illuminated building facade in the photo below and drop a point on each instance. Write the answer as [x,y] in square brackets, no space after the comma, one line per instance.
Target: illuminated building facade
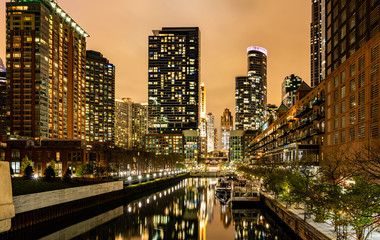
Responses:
[4,100]
[216,140]
[290,86]
[123,123]
[173,80]
[203,120]
[257,74]
[316,42]
[210,133]
[190,149]
[46,63]
[139,124]
[226,126]
[347,26]
[2,66]
[100,98]
[244,112]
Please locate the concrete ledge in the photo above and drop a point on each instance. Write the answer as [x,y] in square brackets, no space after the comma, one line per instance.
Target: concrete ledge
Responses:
[7,209]
[29,202]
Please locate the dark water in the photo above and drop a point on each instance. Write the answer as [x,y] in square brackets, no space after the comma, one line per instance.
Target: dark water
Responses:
[187,210]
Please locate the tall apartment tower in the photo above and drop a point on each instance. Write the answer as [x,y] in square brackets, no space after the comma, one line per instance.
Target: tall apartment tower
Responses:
[257,74]
[139,124]
[289,88]
[100,98]
[4,120]
[316,42]
[226,126]
[203,120]
[244,97]
[210,132]
[123,123]
[347,26]
[46,64]
[173,76]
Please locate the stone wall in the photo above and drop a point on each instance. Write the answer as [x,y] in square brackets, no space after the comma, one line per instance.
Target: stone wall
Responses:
[7,210]
[29,202]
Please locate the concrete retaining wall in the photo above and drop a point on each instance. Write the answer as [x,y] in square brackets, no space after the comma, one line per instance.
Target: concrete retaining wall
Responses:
[298,225]
[30,202]
[7,210]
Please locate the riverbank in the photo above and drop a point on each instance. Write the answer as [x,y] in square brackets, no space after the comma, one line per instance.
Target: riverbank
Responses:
[32,209]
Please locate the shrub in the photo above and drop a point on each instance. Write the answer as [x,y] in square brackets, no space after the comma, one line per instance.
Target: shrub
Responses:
[49,174]
[67,176]
[28,172]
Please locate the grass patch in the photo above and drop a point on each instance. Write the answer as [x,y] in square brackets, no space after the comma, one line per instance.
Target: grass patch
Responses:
[21,186]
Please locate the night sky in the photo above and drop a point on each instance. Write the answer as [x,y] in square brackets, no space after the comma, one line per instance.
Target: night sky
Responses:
[120,28]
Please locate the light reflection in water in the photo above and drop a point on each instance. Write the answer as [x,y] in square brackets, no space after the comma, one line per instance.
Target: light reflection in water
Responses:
[186,211]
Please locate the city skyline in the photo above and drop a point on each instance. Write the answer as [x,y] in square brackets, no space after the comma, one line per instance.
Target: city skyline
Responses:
[224,21]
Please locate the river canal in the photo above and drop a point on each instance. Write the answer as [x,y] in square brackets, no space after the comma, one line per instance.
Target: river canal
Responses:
[188,210]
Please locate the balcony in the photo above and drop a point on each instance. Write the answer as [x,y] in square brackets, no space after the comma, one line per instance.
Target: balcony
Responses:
[302,111]
[317,101]
[314,131]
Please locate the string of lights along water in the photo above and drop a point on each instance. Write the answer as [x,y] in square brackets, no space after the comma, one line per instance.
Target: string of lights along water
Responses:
[187,210]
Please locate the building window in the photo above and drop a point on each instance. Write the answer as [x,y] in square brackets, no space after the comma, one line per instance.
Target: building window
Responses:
[336,96]
[352,101]
[343,76]
[374,90]
[343,106]
[336,109]
[361,132]
[336,81]
[352,70]
[374,71]
[375,52]
[352,85]
[361,62]
[343,92]
[342,121]
[16,167]
[352,134]
[361,115]
[336,138]
[375,128]
[352,118]
[361,97]
[361,80]
[374,109]
[343,136]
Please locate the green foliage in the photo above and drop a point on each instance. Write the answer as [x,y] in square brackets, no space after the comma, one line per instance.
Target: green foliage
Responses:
[28,172]
[85,169]
[25,162]
[49,173]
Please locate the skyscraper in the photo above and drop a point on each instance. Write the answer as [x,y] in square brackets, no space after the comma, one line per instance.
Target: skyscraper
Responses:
[203,120]
[2,66]
[289,87]
[226,126]
[100,98]
[139,124]
[4,100]
[123,123]
[210,132]
[173,76]
[347,26]
[316,42]
[257,73]
[45,71]
[251,91]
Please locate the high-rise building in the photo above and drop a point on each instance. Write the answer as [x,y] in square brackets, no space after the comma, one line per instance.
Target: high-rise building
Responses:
[139,124]
[290,86]
[270,113]
[226,126]
[257,72]
[123,123]
[203,120]
[216,140]
[100,98]
[346,27]
[46,64]
[4,100]
[173,76]
[210,132]
[251,91]
[316,42]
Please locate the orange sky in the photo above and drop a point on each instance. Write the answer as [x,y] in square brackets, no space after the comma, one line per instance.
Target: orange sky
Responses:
[120,29]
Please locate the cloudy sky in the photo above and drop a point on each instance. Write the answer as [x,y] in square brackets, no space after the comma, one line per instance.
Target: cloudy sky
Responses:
[120,29]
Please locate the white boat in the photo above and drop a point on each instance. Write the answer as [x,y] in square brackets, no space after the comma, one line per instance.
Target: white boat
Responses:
[247,192]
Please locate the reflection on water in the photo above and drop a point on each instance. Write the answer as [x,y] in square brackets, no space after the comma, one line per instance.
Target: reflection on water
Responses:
[188,210]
